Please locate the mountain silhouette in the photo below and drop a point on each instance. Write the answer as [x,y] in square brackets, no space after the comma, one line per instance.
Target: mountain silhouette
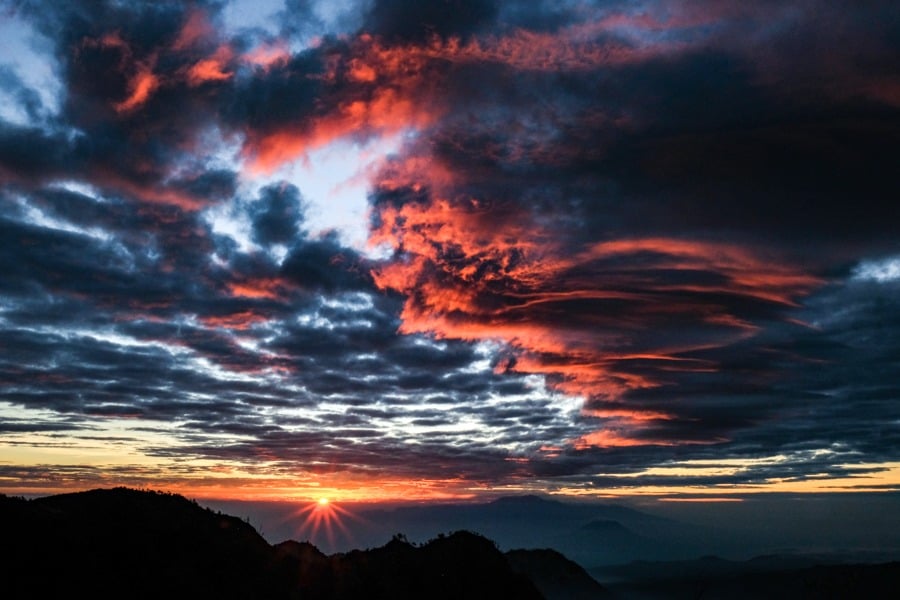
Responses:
[140,544]
[559,525]
[125,543]
[129,543]
[605,541]
[460,565]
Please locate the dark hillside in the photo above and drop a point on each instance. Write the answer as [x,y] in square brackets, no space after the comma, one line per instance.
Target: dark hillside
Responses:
[128,543]
[557,577]
[123,543]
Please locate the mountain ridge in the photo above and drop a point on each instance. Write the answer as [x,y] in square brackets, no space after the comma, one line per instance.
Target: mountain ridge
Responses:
[118,542]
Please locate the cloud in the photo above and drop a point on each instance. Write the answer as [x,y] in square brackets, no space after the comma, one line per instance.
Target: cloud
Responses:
[133,119]
[276,215]
[118,313]
[594,245]
[611,235]
[400,21]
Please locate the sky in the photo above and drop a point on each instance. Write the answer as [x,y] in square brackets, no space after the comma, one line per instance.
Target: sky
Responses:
[386,249]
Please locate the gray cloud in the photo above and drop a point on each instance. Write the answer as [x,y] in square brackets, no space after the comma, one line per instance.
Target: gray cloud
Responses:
[606,225]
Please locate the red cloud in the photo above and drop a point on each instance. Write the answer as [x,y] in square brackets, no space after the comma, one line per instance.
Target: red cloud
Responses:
[597,319]
[193,45]
[377,89]
[267,56]
[241,320]
[267,288]
[196,28]
[142,84]
[214,68]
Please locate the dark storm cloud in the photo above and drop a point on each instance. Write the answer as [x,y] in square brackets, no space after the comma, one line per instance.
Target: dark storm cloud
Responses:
[271,98]
[823,399]
[117,312]
[663,210]
[277,215]
[404,21]
[426,460]
[677,204]
[164,59]
[763,168]
[325,265]
[29,427]
[695,142]
[830,382]
[30,152]
[214,185]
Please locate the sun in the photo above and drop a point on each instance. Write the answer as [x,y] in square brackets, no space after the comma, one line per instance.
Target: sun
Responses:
[321,520]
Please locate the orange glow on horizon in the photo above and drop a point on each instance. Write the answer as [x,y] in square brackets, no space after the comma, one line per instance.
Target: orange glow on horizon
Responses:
[225,484]
[709,499]
[323,521]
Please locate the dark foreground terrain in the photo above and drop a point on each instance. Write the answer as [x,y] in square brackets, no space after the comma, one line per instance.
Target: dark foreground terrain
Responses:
[769,578]
[124,543]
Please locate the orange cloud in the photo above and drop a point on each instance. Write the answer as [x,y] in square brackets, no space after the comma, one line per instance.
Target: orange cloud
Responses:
[582,47]
[606,438]
[214,68]
[150,193]
[267,56]
[196,34]
[630,415]
[236,321]
[268,288]
[196,28]
[600,321]
[384,112]
[380,89]
[372,93]
[142,84]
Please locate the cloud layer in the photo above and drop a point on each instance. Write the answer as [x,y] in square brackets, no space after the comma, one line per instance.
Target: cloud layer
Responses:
[613,237]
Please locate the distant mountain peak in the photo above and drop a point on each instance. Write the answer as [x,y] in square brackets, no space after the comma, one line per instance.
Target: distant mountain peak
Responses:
[523,500]
[605,525]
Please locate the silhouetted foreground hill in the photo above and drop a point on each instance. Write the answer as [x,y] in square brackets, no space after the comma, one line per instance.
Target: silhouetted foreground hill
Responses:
[125,543]
[557,577]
